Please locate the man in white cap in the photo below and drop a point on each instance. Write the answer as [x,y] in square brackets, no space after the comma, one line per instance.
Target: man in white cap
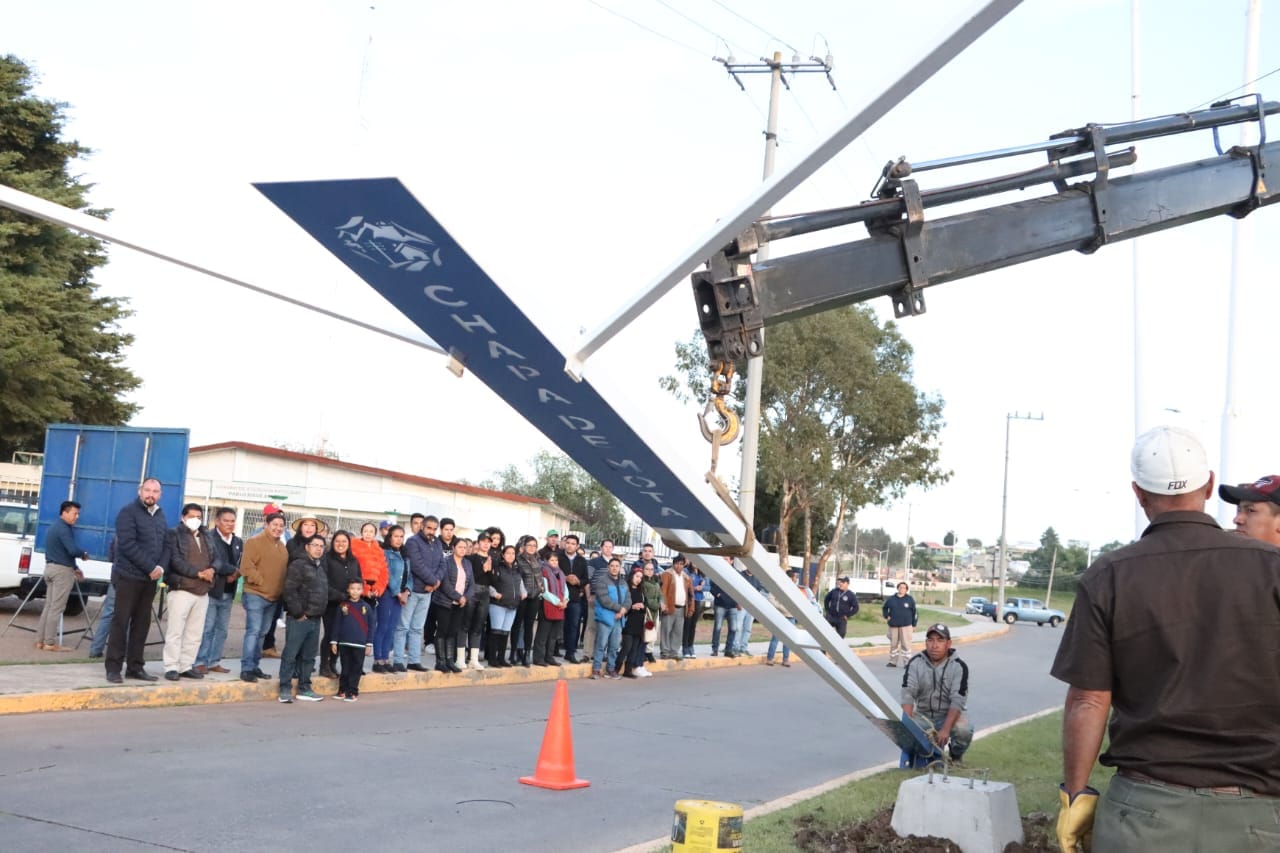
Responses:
[1167,638]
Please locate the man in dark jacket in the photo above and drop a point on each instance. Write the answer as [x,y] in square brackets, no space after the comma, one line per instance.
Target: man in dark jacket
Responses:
[227,548]
[839,606]
[189,578]
[576,572]
[426,565]
[306,594]
[142,552]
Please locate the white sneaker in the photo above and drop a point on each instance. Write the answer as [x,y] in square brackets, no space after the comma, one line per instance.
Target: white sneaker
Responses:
[643,673]
[476,664]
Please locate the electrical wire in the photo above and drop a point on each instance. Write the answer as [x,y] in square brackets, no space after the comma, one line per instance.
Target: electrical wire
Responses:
[742,17]
[699,24]
[649,29]
[1217,98]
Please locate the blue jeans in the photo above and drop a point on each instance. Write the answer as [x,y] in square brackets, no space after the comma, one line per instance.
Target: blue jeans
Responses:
[608,638]
[258,613]
[720,615]
[216,619]
[388,624]
[743,629]
[501,618]
[416,614]
[773,646]
[573,616]
[100,631]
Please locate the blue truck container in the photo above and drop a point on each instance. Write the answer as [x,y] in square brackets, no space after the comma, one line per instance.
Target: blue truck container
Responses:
[101,468]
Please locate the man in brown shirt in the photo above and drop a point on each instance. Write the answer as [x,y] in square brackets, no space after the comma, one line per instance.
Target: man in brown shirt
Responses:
[1174,637]
[263,566]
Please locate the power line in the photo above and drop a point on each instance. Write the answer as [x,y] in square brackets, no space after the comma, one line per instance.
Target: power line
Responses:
[1217,98]
[742,17]
[698,24]
[648,29]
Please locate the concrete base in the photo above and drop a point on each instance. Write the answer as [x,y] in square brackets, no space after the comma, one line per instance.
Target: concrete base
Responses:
[979,816]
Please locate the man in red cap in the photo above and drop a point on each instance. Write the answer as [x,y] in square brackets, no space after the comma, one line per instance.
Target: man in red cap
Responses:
[1258,516]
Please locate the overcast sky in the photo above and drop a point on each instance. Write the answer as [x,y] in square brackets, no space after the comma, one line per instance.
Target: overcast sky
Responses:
[575,153]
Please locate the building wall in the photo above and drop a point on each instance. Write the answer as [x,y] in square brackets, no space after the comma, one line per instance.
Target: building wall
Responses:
[246,480]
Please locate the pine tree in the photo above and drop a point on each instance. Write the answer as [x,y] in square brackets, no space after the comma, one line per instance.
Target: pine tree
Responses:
[61,349]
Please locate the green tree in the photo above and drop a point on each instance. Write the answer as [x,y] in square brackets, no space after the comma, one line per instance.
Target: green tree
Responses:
[950,539]
[1066,561]
[562,481]
[841,422]
[61,350]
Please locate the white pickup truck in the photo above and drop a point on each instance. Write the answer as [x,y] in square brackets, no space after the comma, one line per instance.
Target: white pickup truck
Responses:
[22,566]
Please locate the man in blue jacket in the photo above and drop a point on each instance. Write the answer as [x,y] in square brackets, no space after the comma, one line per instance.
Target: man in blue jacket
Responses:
[840,606]
[426,567]
[611,599]
[142,552]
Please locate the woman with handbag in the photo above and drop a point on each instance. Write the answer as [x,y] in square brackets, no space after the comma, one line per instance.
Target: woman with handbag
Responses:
[653,607]
[555,598]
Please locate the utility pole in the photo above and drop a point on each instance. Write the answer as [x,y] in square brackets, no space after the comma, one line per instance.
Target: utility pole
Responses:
[777,71]
[1004,508]
[1053,564]
[906,551]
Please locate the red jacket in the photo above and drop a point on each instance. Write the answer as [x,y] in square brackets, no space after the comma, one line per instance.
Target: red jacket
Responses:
[373,565]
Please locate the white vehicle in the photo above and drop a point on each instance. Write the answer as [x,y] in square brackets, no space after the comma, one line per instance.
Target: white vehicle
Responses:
[871,589]
[22,566]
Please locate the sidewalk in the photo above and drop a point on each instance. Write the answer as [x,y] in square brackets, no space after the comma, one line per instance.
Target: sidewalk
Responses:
[31,688]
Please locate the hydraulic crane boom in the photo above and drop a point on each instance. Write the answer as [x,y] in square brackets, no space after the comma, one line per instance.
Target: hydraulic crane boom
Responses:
[905,252]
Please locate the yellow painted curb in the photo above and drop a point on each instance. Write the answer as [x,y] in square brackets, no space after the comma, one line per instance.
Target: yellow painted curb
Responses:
[166,694]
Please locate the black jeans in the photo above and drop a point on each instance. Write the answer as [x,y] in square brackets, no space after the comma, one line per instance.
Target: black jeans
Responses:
[352,660]
[130,624]
[471,623]
[544,645]
[626,655]
[327,658]
[691,627]
[526,618]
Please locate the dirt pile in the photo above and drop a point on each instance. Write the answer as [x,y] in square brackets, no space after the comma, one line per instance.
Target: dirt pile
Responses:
[877,836]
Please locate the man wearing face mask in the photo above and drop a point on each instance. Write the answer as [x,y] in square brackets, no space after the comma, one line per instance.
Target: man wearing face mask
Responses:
[189,578]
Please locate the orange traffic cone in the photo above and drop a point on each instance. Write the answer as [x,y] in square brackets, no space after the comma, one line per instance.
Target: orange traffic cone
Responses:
[555,760]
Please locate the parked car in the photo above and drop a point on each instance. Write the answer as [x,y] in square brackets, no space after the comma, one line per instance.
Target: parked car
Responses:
[1031,610]
[974,604]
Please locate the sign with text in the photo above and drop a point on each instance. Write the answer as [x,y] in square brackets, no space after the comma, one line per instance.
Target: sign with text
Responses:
[385,236]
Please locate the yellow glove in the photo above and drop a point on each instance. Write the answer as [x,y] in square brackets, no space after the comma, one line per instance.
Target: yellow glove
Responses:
[1075,819]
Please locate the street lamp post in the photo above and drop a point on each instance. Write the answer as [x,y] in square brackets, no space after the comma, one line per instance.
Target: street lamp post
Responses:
[1004,506]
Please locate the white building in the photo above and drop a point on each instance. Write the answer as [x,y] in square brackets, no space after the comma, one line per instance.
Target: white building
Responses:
[344,494]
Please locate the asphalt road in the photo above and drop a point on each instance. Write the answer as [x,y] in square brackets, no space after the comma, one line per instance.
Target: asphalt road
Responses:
[438,769]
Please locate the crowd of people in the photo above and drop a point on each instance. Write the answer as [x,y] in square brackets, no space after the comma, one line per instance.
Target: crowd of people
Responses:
[395,594]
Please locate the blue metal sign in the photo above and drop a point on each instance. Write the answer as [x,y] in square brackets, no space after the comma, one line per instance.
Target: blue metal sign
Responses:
[385,236]
[100,468]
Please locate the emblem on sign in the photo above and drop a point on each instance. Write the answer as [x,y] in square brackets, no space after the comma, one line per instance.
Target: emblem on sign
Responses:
[389,244]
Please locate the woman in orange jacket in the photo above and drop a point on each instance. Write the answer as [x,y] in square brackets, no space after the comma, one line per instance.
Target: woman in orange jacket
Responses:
[373,562]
